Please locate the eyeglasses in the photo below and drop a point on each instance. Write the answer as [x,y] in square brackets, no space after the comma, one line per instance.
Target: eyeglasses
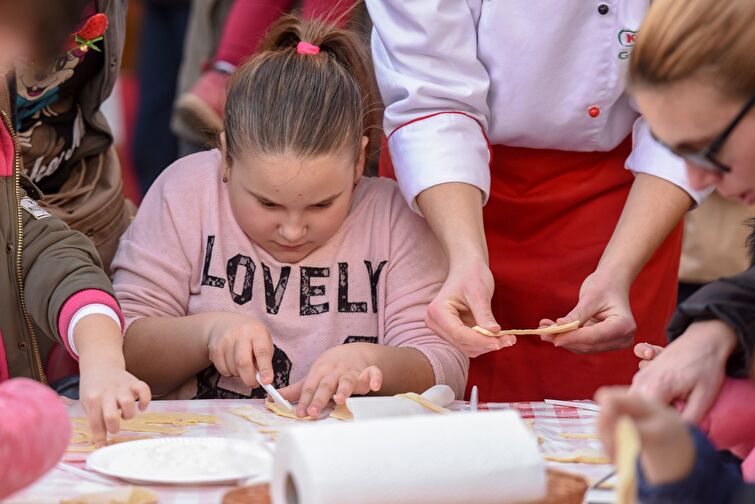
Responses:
[706,157]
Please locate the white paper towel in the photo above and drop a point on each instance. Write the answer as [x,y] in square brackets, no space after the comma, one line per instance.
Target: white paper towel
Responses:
[369,407]
[485,457]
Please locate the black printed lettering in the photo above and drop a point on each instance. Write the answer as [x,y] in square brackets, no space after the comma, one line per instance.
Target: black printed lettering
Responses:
[309,291]
[344,305]
[374,279]
[208,279]
[274,294]
[232,270]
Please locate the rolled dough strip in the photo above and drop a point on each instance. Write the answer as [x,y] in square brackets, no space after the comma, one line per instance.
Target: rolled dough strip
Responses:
[578,435]
[554,329]
[628,448]
[125,495]
[281,412]
[341,412]
[425,403]
[579,457]
[252,415]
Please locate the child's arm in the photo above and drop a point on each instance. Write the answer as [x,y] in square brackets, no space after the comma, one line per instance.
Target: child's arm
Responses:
[677,464]
[34,433]
[235,344]
[63,281]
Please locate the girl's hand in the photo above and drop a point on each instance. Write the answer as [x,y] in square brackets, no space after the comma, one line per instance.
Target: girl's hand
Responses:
[668,451]
[240,346]
[108,393]
[691,368]
[607,321]
[337,374]
[647,352]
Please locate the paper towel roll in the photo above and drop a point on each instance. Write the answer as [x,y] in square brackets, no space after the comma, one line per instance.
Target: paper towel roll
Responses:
[486,457]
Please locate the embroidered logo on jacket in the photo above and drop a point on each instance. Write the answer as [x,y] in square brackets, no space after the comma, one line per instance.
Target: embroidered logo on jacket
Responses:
[627,38]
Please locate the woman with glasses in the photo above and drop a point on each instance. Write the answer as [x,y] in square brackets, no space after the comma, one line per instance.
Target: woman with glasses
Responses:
[510,130]
[697,92]
[693,77]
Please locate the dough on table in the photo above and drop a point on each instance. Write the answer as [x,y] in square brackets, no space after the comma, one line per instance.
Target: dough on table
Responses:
[578,435]
[554,329]
[125,495]
[578,457]
[425,403]
[282,412]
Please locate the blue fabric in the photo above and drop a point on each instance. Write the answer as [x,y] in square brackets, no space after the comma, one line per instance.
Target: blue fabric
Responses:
[711,480]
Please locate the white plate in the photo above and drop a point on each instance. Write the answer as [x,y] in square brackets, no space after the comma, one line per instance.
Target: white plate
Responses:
[183,461]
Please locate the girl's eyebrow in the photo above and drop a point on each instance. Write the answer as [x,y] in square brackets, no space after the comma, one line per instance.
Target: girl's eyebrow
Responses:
[268,200]
[328,199]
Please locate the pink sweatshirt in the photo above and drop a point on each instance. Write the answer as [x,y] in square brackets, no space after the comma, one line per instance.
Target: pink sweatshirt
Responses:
[371,282]
[34,433]
[730,423]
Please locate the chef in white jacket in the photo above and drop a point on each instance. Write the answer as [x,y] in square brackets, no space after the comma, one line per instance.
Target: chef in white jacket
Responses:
[509,129]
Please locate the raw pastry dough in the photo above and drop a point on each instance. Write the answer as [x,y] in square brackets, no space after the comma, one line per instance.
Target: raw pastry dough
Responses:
[579,457]
[281,412]
[125,495]
[554,329]
[251,414]
[578,435]
[424,402]
[628,448]
[341,412]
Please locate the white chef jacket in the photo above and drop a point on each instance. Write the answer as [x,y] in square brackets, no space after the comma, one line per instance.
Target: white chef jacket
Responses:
[458,75]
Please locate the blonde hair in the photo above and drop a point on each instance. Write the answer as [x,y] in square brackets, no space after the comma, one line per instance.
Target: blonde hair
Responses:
[711,39]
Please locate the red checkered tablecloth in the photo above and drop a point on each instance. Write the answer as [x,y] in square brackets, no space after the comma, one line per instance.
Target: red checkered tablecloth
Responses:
[549,423]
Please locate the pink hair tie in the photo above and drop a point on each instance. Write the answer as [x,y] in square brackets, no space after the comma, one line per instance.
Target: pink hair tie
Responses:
[307,48]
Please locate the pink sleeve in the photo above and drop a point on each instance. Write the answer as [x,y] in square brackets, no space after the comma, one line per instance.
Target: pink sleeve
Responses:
[78,301]
[151,271]
[416,271]
[730,421]
[34,433]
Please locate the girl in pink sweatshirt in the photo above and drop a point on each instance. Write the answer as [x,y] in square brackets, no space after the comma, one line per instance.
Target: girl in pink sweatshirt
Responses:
[275,254]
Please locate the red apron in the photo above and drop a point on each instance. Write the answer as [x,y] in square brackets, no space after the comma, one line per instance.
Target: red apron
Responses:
[549,217]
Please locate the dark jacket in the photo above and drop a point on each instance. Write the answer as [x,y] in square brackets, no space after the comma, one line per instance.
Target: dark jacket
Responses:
[731,300]
[712,480]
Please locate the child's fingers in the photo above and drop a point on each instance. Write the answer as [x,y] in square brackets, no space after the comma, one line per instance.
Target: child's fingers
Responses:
[263,354]
[346,387]
[292,393]
[372,379]
[143,392]
[322,395]
[93,410]
[308,389]
[244,361]
[111,414]
[127,404]
[646,351]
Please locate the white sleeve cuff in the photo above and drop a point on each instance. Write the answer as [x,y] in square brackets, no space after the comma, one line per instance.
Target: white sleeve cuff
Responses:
[92,309]
[648,156]
[448,147]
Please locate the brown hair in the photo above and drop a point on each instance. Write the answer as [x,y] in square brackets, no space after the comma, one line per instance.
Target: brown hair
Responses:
[713,39]
[47,22]
[283,102]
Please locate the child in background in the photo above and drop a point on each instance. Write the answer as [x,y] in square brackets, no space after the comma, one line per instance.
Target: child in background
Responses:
[54,290]
[247,23]
[678,463]
[275,254]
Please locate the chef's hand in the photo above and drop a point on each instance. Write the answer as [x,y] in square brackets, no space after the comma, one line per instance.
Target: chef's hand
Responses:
[605,314]
[691,368]
[668,451]
[463,302]
[338,373]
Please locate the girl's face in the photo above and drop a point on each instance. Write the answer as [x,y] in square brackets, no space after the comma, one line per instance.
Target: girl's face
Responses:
[291,206]
[689,115]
